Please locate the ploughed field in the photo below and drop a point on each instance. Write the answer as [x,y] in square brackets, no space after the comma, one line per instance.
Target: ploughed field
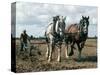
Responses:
[35,60]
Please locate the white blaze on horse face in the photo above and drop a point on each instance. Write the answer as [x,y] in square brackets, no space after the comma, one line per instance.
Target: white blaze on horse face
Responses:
[61,19]
[85,27]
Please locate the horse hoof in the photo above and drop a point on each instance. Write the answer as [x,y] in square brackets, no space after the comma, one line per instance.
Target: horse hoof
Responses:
[59,60]
[79,58]
[70,54]
[67,57]
[49,60]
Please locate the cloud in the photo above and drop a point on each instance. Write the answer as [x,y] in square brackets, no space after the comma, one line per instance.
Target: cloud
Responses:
[35,16]
[31,30]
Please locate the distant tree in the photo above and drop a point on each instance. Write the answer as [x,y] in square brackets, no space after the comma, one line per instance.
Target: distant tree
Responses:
[95,37]
[41,37]
[31,37]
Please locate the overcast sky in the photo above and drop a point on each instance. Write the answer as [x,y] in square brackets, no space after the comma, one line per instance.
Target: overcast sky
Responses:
[34,17]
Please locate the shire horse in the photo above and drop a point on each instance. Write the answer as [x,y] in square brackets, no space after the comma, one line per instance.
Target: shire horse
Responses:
[54,36]
[76,33]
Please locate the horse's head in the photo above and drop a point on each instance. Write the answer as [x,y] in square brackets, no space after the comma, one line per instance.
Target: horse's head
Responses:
[55,19]
[60,25]
[84,23]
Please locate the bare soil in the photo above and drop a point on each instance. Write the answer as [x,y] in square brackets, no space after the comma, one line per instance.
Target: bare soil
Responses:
[37,61]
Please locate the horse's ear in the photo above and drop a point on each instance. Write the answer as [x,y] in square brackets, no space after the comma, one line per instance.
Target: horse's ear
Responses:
[82,16]
[88,17]
[64,18]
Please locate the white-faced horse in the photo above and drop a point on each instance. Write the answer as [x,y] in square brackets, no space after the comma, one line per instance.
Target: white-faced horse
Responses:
[55,37]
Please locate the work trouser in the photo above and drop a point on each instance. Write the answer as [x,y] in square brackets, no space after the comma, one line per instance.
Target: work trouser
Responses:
[23,45]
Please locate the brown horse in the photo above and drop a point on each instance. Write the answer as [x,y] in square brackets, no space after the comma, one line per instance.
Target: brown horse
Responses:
[76,33]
